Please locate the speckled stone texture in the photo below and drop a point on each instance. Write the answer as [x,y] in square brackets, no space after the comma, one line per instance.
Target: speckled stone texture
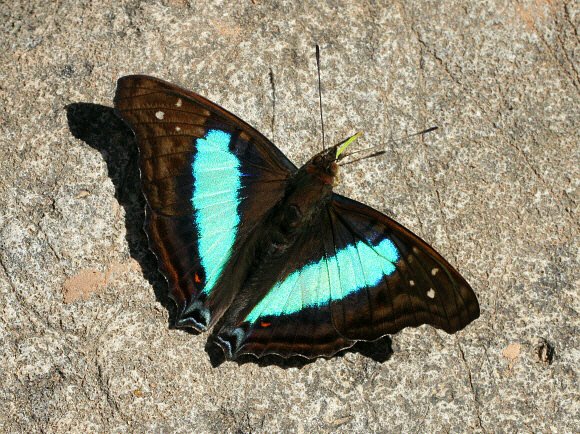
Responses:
[84,325]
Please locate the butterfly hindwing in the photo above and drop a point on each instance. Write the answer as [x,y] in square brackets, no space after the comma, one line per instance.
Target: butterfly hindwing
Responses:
[357,275]
[284,309]
[209,179]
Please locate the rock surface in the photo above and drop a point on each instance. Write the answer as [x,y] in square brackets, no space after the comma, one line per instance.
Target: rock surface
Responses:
[84,323]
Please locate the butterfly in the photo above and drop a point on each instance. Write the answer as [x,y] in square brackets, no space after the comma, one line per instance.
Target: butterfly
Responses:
[264,254]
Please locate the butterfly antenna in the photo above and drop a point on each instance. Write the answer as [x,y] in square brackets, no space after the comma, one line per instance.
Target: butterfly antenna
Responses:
[273,86]
[428,130]
[375,154]
[320,95]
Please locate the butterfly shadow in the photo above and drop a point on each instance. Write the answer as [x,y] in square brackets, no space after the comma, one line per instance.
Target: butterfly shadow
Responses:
[101,129]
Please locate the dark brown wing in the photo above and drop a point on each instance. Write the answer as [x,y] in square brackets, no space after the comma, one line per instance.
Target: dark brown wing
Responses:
[209,179]
[422,287]
[354,275]
[285,309]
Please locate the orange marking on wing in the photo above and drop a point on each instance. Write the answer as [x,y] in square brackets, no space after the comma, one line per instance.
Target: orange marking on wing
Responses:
[265,324]
[196,278]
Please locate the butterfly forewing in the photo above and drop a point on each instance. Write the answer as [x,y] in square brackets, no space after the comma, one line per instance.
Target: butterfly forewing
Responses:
[355,275]
[209,180]
[419,288]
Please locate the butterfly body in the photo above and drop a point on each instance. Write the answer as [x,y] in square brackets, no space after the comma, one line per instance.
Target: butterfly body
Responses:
[263,253]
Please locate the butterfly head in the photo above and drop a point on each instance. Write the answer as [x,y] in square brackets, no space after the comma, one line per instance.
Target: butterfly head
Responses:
[325,164]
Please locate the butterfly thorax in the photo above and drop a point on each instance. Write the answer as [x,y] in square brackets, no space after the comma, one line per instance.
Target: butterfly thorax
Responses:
[308,192]
[310,189]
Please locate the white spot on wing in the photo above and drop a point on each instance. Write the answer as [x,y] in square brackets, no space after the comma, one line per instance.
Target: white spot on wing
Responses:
[177,129]
[431,293]
[159,115]
[434,271]
[412,282]
[178,103]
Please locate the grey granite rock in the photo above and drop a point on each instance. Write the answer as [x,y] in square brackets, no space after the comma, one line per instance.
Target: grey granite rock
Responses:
[84,322]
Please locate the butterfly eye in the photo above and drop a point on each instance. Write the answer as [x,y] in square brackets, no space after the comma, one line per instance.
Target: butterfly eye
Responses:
[332,169]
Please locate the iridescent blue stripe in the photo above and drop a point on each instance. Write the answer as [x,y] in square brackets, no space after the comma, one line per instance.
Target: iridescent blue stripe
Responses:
[215,201]
[353,268]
